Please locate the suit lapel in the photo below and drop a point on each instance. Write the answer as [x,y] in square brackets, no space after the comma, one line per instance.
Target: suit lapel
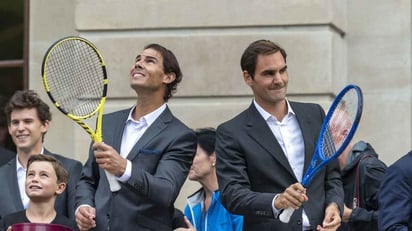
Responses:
[158,125]
[258,130]
[117,139]
[306,127]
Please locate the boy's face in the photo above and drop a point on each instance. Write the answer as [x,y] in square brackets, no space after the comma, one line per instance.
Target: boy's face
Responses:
[41,182]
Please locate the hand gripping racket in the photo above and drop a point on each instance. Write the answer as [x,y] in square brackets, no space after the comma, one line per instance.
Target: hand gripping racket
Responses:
[337,130]
[74,76]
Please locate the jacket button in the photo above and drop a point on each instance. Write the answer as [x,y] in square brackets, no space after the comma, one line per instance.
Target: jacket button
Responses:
[299,222]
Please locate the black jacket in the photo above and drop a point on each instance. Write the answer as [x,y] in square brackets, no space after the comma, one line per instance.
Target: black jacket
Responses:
[361,179]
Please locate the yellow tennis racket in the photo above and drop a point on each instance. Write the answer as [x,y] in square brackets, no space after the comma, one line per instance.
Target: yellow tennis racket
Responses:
[74,76]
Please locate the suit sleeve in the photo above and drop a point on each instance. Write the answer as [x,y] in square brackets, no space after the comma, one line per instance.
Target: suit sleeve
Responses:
[234,183]
[74,176]
[163,185]
[333,186]
[395,204]
[87,184]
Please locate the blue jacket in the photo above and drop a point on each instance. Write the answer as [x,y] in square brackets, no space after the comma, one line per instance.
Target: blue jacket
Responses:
[216,218]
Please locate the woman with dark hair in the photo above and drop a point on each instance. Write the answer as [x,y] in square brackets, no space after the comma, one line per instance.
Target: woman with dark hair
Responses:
[204,209]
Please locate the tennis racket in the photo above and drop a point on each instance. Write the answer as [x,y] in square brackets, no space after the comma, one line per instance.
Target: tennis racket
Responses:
[74,76]
[338,128]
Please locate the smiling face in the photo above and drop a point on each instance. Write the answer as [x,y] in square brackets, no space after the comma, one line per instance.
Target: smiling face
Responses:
[27,130]
[147,73]
[41,182]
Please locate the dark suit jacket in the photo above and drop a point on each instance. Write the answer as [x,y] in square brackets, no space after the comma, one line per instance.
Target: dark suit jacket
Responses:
[395,196]
[160,163]
[6,155]
[252,168]
[10,200]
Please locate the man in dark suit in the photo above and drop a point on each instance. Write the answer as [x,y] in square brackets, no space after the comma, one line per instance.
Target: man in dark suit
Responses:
[28,121]
[6,155]
[395,196]
[264,151]
[148,150]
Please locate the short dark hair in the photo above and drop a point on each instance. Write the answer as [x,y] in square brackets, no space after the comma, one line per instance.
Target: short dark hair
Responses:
[61,172]
[170,65]
[206,138]
[23,99]
[259,47]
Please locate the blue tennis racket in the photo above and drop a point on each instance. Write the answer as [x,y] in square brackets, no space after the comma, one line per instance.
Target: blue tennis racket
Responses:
[337,130]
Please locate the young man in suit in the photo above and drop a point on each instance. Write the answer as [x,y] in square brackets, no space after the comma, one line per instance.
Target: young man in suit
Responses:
[264,151]
[28,121]
[148,150]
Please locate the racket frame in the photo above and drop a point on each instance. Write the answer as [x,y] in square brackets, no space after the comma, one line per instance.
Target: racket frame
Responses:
[314,167]
[96,134]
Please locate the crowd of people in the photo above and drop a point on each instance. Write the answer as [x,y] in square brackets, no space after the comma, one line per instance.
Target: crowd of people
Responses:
[250,167]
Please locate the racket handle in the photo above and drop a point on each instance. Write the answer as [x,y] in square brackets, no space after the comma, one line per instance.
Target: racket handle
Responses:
[286,214]
[113,183]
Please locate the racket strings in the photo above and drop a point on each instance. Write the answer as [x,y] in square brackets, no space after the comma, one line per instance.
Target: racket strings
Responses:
[341,123]
[75,77]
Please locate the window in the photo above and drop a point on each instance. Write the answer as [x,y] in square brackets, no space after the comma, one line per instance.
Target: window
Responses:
[14,15]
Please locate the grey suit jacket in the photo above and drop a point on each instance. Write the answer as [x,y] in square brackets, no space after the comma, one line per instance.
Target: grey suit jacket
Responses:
[160,163]
[6,155]
[10,200]
[252,168]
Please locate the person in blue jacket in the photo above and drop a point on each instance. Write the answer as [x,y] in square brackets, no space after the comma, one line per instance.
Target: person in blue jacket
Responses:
[204,209]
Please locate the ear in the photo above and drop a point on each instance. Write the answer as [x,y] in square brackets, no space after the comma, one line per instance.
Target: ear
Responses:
[247,78]
[9,129]
[45,126]
[212,158]
[60,188]
[168,78]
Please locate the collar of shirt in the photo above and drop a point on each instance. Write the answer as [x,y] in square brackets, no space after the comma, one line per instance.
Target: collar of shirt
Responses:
[19,166]
[134,129]
[149,118]
[267,116]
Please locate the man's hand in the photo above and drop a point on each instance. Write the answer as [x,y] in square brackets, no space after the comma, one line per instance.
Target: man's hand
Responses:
[346,214]
[85,218]
[332,219]
[292,197]
[109,159]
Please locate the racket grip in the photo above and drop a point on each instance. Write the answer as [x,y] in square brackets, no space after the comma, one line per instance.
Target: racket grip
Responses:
[113,183]
[286,214]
